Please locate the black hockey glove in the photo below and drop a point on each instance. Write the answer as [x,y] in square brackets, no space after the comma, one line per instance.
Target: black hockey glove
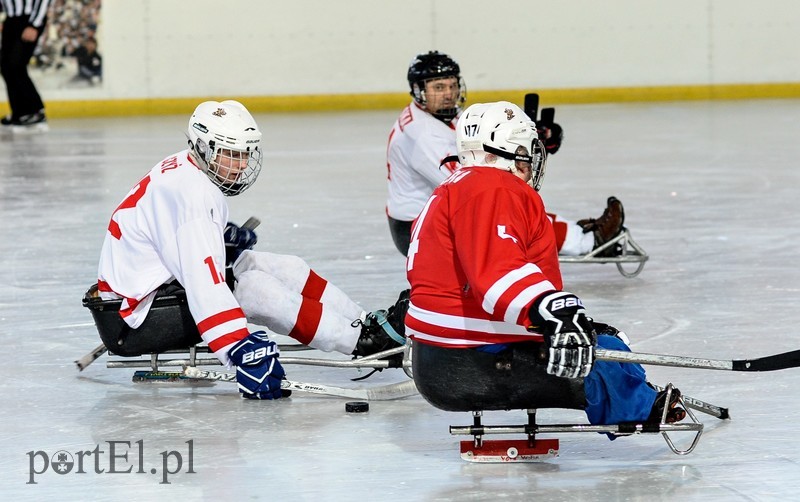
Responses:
[237,239]
[601,328]
[568,333]
[551,135]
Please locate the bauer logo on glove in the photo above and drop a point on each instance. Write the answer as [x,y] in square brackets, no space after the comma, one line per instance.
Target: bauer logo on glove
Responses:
[258,371]
[568,333]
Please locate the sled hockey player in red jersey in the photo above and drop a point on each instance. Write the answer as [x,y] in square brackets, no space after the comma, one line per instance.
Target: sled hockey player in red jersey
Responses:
[424,135]
[172,232]
[485,278]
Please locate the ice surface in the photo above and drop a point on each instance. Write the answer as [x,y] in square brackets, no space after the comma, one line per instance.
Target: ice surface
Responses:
[709,190]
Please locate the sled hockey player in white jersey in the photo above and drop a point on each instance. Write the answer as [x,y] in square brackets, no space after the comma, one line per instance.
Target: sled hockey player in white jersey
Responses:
[424,135]
[171,232]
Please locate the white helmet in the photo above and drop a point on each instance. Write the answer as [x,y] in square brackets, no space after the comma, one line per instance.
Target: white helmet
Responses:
[224,139]
[488,134]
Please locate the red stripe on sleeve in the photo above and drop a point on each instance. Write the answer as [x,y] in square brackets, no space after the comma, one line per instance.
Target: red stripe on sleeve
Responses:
[307,321]
[219,343]
[116,232]
[217,319]
[314,287]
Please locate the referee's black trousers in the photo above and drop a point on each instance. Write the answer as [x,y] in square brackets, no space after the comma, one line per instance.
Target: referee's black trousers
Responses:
[23,99]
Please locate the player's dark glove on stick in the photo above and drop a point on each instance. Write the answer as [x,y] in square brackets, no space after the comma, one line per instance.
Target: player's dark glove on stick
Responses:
[237,239]
[552,135]
[568,334]
[258,371]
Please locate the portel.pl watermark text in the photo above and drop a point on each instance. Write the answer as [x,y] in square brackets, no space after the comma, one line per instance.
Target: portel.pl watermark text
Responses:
[113,457]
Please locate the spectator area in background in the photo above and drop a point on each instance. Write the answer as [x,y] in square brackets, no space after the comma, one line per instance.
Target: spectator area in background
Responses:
[68,54]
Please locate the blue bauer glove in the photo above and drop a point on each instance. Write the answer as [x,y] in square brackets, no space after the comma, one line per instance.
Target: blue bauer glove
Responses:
[237,239]
[258,371]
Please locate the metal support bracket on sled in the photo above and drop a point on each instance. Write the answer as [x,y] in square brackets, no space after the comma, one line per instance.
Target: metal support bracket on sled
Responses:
[630,252]
[534,449]
[189,357]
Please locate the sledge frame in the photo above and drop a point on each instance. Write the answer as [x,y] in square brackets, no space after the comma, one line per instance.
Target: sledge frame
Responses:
[192,356]
[534,449]
[631,253]
[479,449]
[530,449]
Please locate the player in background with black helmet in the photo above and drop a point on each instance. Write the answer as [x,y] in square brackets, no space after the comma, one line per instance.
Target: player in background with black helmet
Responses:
[424,135]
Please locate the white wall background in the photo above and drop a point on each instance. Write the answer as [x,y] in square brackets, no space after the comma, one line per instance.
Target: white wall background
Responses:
[179,48]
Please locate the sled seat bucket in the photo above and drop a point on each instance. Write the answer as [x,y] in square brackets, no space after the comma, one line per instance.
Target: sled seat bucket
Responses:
[469,380]
[169,324]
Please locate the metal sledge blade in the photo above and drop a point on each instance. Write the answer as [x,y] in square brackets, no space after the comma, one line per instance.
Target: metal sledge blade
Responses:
[509,450]
[149,376]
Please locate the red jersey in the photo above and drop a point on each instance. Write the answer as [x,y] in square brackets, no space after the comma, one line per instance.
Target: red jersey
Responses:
[482,251]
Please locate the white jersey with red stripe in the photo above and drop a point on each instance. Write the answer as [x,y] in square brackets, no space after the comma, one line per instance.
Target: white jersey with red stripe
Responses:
[170,227]
[418,143]
[482,251]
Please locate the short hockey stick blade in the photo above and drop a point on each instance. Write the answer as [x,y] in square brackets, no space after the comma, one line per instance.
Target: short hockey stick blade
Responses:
[531,105]
[548,116]
[252,223]
[768,363]
[91,357]
[702,406]
[382,393]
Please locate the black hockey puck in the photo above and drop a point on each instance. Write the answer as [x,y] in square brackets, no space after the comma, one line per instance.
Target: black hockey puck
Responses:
[356,407]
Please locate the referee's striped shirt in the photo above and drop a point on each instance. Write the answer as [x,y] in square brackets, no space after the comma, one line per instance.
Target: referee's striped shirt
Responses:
[35,10]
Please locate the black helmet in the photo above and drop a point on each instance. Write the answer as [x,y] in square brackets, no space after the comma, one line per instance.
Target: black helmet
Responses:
[430,66]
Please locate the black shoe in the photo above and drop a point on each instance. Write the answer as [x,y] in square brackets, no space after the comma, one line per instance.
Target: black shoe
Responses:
[31,122]
[383,330]
[674,411]
[7,120]
[606,227]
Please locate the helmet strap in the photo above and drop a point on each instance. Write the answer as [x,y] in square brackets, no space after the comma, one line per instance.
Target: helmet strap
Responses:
[508,155]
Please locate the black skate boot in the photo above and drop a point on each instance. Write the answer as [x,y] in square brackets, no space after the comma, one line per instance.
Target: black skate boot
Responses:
[674,411]
[383,329]
[606,227]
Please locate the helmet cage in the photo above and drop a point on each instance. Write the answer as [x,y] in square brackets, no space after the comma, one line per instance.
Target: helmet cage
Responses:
[226,142]
[430,66]
[446,114]
[537,158]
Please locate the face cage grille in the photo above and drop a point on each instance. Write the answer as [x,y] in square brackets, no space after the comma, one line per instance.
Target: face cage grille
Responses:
[231,173]
[444,113]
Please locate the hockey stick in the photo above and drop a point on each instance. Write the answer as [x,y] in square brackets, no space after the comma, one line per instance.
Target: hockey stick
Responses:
[768,363]
[252,223]
[702,406]
[531,105]
[383,393]
[91,357]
